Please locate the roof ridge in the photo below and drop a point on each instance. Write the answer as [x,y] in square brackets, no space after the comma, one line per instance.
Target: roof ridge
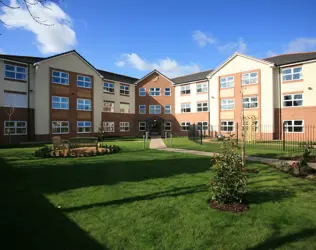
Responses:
[117,74]
[293,53]
[193,73]
[22,56]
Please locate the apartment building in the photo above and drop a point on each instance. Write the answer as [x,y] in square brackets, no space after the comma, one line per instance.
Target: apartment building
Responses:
[66,95]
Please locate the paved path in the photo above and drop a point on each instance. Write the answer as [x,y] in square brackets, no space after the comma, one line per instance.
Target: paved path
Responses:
[157,143]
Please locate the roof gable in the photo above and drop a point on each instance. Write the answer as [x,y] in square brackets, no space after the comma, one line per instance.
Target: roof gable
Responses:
[152,72]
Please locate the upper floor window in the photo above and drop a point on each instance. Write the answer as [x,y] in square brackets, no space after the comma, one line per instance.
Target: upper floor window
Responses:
[167,92]
[124,107]
[201,88]
[290,74]
[168,109]
[154,92]
[15,100]
[227,82]
[250,102]
[185,90]
[84,82]
[227,104]
[108,106]
[108,87]
[249,78]
[84,104]
[60,77]
[124,89]
[154,109]
[202,106]
[15,128]
[185,107]
[84,127]
[142,109]
[142,92]
[15,72]
[59,102]
[60,127]
[294,126]
[293,100]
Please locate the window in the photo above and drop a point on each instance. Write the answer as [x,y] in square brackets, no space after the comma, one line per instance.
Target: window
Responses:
[167,126]
[60,127]
[154,92]
[293,100]
[249,78]
[202,106]
[167,109]
[15,100]
[109,126]
[108,87]
[185,126]
[84,82]
[142,126]
[124,89]
[60,77]
[59,102]
[108,106]
[201,88]
[227,82]
[124,107]
[142,109]
[290,74]
[202,125]
[167,92]
[124,126]
[15,72]
[185,90]
[227,126]
[294,126]
[84,127]
[142,92]
[15,128]
[84,104]
[227,104]
[185,107]
[154,109]
[250,102]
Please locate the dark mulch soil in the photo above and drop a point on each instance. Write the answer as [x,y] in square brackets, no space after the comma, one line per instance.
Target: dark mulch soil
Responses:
[231,207]
[252,171]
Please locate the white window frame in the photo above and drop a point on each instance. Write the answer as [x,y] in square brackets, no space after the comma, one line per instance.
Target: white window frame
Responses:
[60,133]
[165,125]
[202,104]
[227,82]
[293,100]
[142,92]
[292,73]
[202,87]
[186,125]
[15,127]
[142,124]
[109,127]
[154,92]
[185,107]
[250,78]
[85,104]
[185,90]
[128,110]
[87,84]
[124,89]
[155,109]
[14,100]
[123,126]
[227,125]
[142,110]
[227,104]
[60,102]
[249,102]
[293,126]
[108,105]
[85,126]
[108,87]
[167,107]
[60,77]
[15,72]
[203,124]
[167,91]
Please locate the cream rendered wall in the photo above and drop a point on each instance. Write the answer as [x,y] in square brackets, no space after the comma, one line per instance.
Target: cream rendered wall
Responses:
[69,62]
[1,82]
[308,85]
[213,103]
[193,98]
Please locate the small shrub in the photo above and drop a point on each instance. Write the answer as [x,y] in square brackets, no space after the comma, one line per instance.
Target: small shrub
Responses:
[43,152]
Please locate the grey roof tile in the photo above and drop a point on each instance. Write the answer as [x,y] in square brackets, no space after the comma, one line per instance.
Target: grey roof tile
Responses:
[192,77]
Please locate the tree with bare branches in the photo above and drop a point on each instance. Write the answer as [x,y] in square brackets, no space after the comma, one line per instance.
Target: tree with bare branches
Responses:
[9,111]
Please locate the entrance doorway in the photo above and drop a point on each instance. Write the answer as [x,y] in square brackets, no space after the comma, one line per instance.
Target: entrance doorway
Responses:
[155,127]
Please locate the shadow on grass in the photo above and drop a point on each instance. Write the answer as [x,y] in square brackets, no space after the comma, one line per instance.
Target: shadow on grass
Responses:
[272,195]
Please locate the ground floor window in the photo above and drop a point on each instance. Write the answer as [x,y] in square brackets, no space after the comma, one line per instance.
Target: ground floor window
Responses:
[124,126]
[167,126]
[84,127]
[60,127]
[294,126]
[185,126]
[109,126]
[227,126]
[15,128]
[142,126]
[202,125]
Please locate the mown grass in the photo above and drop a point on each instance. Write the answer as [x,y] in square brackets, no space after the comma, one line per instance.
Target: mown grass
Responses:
[145,199]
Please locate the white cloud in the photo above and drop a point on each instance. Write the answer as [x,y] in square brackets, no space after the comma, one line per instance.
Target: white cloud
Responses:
[301,45]
[239,46]
[271,53]
[202,39]
[50,39]
[2,51]
[167,66]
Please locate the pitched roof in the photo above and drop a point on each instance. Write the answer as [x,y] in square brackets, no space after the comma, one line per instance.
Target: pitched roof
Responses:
[117,77]
[192,77]
[22,59]
[152,72]
[291,58]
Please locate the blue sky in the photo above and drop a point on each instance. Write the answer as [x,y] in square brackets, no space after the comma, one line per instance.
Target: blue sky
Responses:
[176,37]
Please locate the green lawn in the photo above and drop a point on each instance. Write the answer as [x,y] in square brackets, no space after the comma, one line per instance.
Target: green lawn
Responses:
[145,200]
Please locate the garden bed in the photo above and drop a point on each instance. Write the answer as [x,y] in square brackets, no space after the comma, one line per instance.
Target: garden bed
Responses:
[230,207]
